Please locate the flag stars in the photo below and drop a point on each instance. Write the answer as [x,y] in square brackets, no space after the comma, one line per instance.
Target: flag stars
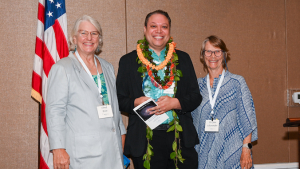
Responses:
[50,14]
[52,1]
[58,5]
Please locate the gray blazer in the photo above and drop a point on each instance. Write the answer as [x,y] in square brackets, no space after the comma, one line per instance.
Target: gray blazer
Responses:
[72,117]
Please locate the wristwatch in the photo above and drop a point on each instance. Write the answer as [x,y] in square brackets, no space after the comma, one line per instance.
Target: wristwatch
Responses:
[248,145]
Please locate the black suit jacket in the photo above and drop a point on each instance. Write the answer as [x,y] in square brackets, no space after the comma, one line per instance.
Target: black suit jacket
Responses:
[129,87]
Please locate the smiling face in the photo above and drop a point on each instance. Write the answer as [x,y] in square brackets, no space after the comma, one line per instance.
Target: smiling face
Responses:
[157,32]
[213,62]
[86,44]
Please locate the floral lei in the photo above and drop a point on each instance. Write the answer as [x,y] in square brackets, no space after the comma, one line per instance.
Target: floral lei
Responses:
[171,74]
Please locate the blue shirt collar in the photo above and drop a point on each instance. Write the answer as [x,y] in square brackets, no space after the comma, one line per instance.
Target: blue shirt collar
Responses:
[161,56]
[216,80]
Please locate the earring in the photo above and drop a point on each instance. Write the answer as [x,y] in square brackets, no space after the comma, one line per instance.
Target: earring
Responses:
[75,48]
[98,49]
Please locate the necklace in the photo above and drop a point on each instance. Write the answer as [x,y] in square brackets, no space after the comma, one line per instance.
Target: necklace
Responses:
[150,62]
[171,74]
[147,64]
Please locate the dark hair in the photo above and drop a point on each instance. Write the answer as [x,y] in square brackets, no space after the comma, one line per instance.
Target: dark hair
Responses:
[158,12]
[218,43]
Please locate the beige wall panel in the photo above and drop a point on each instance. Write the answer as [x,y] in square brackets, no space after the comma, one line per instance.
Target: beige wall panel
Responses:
[293,50]
[18,112]
[254,32]
[293,64]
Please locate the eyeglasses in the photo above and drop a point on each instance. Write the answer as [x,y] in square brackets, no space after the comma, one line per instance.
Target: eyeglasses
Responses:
[85,34]
[217,53]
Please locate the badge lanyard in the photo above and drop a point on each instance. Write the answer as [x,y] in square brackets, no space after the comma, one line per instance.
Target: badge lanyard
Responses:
[213,100]
[88,71]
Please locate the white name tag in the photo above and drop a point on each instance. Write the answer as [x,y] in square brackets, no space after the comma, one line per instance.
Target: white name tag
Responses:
[170,90]
[212,126]
[104,111]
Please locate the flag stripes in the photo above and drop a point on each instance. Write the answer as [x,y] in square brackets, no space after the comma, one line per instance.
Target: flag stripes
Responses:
[51,46]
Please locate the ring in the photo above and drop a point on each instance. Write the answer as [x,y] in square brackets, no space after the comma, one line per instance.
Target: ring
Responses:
[159,109]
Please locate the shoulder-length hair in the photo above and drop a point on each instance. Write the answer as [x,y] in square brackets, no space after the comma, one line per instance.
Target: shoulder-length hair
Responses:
[218,43]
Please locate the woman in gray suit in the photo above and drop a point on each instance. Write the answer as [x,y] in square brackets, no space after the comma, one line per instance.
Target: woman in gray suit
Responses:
[84,123]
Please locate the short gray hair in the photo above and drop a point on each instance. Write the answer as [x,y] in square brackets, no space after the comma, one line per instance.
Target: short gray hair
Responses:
[75,31]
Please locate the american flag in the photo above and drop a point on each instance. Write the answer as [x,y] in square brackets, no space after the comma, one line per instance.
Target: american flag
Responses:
[51,46]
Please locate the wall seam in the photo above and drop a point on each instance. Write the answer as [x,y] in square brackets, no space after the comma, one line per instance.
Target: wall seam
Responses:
[287,79]
[126,39]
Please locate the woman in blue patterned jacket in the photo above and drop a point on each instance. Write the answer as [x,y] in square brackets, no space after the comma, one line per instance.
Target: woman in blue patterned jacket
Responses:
[225,120]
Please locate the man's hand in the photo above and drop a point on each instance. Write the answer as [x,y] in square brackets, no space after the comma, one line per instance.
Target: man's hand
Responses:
[140,100]
[165,103]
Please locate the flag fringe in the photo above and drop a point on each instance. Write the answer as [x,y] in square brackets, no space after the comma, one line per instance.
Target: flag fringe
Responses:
[36,96]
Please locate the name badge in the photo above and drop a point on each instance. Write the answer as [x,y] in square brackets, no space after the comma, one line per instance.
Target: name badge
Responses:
[170,90]
[104,111]
[212,126]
